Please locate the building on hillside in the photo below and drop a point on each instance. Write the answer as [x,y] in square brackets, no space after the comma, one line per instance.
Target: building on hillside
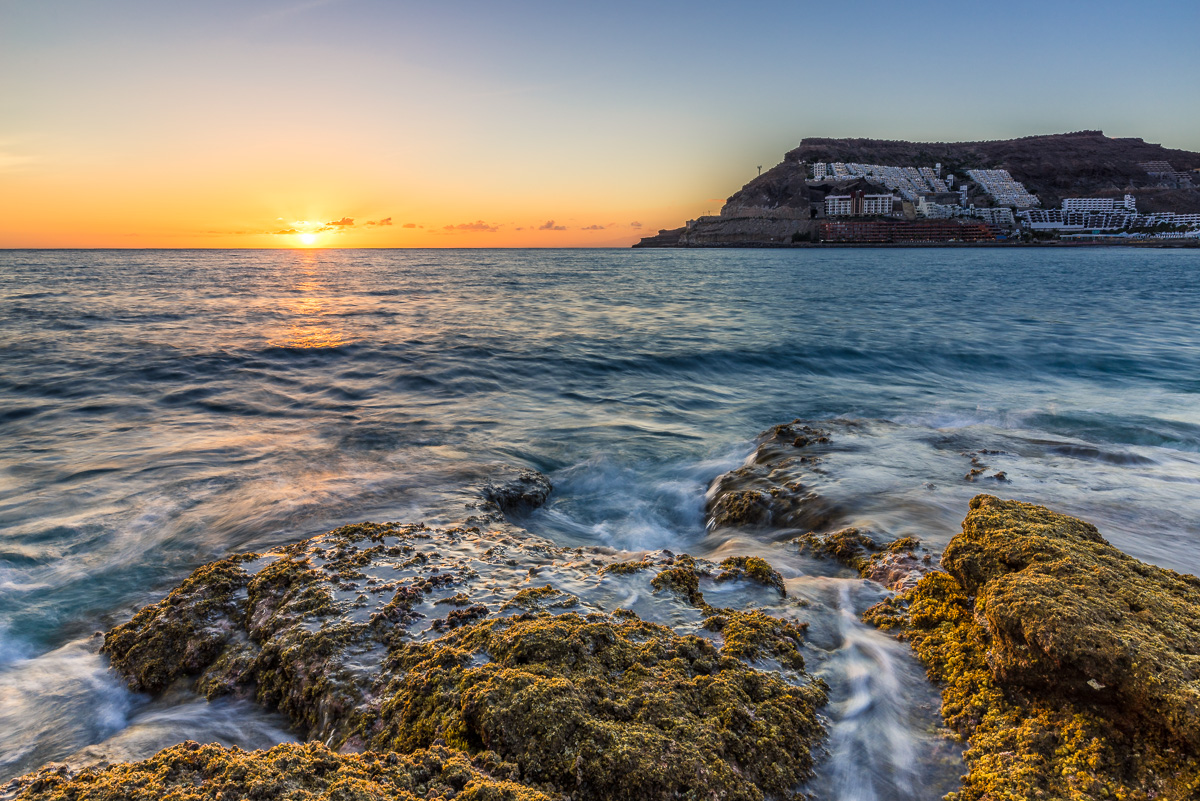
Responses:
[894,231]
[1099,204]
[1004,189]
[1065,220]
[858,204]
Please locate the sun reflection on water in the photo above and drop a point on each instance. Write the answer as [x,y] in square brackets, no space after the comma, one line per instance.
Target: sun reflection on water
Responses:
[307,319]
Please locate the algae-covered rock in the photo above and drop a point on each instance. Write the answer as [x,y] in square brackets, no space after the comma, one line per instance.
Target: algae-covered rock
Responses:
[185,632]
[1071,667]
[401,637]
[302,629]
[291,772]
[770,490]
[753,568]
[1066,611]
[603,707]
[896,565]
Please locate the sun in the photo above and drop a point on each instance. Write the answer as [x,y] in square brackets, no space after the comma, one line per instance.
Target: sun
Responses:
[308,240]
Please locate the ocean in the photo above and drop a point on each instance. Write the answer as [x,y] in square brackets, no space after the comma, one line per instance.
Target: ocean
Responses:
[160,409]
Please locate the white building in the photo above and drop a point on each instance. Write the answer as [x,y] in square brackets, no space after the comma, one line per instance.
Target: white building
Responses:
[1099,204]
[858,205]
[1004,189]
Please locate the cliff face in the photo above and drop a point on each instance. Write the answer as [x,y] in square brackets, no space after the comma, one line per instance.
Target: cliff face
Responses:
[777,207]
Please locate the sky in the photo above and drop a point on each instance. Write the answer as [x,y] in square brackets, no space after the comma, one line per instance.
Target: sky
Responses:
[463,123]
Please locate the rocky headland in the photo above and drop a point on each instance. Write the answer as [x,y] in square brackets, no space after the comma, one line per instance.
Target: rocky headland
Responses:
[478,661]
[780,208]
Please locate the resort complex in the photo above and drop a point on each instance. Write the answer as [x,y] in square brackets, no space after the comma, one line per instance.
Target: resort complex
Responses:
[1007,208]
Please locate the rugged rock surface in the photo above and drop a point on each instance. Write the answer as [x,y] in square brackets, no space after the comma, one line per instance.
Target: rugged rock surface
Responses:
[769,490]
[610,707]
[308,772]
[397,638]
[1073,669]
[897,565]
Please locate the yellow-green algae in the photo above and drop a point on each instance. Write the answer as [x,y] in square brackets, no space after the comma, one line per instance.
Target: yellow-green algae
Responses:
[754,634]
[605,707]
[754,568]
[1071,667]
[290,772]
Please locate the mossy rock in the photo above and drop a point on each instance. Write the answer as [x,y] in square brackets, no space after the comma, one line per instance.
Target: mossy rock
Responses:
[607,708]
[753,568]
[1029,588]
[185,632]
[754,634]
[290,772]
[1066,612]
[771,490]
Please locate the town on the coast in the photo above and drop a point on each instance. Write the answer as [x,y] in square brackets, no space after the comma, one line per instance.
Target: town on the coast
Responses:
[987,205]
[1076,188]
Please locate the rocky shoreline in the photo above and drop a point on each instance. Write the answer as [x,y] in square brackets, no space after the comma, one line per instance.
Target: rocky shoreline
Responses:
[477,661]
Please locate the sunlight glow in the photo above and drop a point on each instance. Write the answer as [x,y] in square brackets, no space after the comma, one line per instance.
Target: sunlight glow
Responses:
[308,240]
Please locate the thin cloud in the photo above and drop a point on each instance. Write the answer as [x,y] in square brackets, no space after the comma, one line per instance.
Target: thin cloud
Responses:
[384,221]
[593,228]
[408,225]
[479,226]
[550,226]
[345,222]
[288,231]
[635,225]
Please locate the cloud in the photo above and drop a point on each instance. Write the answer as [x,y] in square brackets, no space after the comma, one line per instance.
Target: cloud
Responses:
[550,226]
[592,228]
[288,231]
[345,222]
[408,225]
[478,226]
[384,221]
[635,224]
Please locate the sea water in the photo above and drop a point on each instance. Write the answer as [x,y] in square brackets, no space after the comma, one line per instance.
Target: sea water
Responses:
[160,409]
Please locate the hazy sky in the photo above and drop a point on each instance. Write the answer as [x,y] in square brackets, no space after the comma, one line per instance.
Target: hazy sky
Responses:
[133,123]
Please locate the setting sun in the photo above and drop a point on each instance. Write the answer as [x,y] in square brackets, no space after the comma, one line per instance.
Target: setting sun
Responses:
[308,240]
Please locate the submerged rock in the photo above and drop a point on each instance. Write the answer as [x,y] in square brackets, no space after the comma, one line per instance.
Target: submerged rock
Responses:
[1073,669]
[769,491]
[522,492]
[897,565]
[290,772]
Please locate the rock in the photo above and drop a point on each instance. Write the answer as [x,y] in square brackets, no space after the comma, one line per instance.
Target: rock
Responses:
[523,492]
[391,637]
[1072,667]
[1064,607]
[606,707]
[290,772]
[897,565]
[752,568]
[769,490]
